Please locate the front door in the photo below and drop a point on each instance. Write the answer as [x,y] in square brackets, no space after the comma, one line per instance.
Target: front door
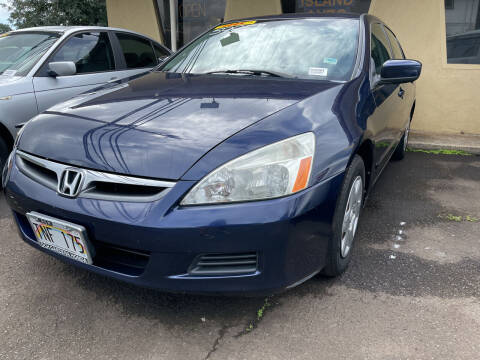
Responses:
[383,123]
[406,90]
[93,56]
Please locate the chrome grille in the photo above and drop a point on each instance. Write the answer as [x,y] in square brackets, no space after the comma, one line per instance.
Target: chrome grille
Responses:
[95,184]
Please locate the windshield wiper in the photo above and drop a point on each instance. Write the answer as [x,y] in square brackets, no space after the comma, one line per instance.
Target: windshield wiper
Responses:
[251,72]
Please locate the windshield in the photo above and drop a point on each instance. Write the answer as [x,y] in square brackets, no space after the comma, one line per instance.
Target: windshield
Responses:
[320,48]
[19,52]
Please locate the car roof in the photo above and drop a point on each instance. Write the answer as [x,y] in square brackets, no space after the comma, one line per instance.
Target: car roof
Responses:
[301,16]
[71,29]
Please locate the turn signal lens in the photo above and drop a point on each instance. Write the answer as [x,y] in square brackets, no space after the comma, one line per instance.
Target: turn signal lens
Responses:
[272,171]
[303,174]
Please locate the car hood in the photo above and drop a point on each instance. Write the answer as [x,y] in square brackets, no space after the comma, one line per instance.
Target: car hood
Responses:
[158,125]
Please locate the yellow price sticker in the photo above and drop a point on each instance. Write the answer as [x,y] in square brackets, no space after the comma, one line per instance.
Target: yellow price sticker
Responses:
[240,23]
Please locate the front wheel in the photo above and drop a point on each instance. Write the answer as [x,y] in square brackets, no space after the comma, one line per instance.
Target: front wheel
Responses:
[401,149]
[345,220]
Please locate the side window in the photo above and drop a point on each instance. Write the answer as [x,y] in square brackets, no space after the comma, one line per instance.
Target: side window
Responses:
[379,50]
[91,52]
[397,50]
[160,52]
[138,51]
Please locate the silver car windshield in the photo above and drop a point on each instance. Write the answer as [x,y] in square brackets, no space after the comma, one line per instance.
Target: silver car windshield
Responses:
[308,48]
[19,52]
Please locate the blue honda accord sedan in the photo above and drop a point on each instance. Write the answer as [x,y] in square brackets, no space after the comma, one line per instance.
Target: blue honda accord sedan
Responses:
[240,165]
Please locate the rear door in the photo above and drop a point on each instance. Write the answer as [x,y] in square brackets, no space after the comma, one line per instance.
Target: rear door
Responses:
[93,56]
[383,123]
[138,54]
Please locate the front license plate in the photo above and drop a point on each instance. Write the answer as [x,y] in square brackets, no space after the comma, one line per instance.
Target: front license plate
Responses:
[61,236]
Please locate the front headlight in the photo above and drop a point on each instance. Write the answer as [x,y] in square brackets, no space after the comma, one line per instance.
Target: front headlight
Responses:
[19,135]
[7,169]
[275,170]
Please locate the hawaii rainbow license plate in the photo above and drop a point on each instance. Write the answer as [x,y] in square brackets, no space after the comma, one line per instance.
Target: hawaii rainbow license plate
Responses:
[61,237]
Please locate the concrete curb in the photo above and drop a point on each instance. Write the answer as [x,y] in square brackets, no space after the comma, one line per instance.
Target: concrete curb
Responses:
[468,143]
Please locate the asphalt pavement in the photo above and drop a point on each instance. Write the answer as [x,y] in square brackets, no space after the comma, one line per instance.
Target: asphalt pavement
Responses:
[412,291]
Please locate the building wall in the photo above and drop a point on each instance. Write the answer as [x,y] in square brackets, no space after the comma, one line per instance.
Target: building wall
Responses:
[237,9]
[136,15]
[447,94]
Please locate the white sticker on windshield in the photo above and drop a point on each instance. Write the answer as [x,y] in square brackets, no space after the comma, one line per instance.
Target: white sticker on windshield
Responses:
[9,72]
[318,71]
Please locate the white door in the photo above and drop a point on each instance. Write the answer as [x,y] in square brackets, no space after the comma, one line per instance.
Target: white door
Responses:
[93,56]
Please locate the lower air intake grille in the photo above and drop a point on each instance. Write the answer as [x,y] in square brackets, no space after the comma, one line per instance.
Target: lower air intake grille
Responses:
[123,260]
[224,264]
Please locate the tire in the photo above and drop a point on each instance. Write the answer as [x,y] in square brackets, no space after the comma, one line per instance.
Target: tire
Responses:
[351,193]
[401,149]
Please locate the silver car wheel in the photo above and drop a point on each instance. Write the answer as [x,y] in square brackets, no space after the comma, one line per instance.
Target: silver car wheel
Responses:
[405,137]
[351,216]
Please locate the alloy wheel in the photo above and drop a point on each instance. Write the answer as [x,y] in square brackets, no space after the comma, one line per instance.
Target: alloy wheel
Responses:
[405,137]
[351,216]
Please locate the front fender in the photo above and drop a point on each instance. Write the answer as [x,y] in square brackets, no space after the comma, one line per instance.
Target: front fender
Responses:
[335,141]
[17,109]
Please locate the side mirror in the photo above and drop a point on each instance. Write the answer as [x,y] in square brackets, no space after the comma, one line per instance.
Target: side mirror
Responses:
[400,71]
[62,68]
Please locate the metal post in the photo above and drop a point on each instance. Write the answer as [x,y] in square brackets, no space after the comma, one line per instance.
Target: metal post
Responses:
[173,24]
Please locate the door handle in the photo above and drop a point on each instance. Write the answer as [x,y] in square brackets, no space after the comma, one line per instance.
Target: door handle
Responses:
[113,79]
[401,92]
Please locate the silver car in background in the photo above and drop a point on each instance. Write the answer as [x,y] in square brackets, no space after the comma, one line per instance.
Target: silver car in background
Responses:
[40,67]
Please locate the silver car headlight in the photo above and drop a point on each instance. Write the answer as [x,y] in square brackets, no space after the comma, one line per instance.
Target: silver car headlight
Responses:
[7,169]
[272,171]
[19,135]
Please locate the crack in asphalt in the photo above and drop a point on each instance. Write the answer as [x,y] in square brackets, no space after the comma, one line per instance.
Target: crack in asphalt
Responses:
[221,334]
[268,305]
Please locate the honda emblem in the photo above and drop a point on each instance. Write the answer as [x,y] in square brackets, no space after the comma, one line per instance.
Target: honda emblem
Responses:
[70,182]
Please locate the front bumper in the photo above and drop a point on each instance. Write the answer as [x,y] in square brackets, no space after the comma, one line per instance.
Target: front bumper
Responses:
[155,244]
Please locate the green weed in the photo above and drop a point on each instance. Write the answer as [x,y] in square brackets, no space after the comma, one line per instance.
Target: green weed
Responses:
[260,314]
[458,218]
[441,152]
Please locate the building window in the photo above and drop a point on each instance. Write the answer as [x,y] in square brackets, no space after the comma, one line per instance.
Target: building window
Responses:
[463,32]
[332,7]
[196,16]
[449,4]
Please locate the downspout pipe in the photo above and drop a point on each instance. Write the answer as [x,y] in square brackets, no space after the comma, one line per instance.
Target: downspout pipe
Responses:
[173,24]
